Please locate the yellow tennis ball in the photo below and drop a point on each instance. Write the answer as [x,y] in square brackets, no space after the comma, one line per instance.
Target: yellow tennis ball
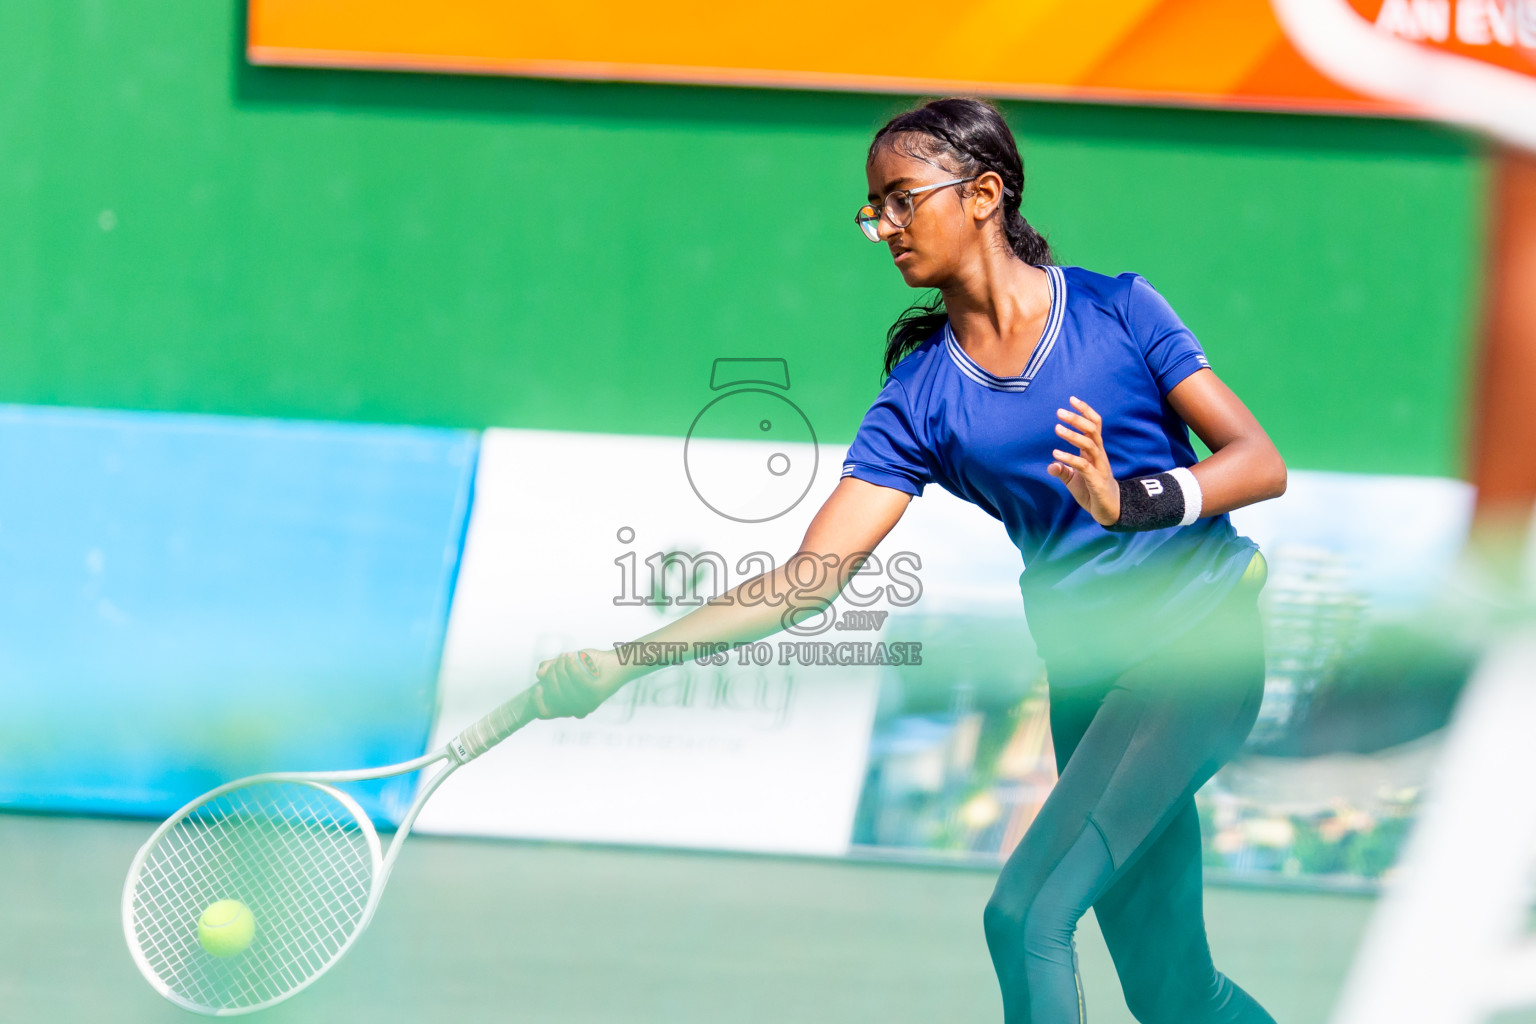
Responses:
[226,928]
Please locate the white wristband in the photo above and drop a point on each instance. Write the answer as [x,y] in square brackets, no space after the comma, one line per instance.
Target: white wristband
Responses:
[1192,496]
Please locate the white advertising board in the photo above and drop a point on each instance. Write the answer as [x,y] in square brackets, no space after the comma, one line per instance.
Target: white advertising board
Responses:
[746,757]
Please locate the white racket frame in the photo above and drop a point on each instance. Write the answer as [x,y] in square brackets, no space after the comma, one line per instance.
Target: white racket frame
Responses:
[460,750]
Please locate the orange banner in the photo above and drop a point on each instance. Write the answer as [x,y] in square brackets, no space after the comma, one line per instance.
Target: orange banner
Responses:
[1206,52]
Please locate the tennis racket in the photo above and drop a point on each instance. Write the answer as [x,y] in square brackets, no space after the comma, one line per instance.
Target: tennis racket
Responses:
[300,853]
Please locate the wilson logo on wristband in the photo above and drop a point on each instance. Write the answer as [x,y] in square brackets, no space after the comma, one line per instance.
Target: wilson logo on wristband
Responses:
[1159,501]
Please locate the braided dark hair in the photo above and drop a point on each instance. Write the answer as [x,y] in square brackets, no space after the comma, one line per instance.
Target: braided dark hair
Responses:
[974,138]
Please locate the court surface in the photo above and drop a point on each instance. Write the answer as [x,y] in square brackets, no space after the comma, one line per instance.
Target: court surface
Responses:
[474,930]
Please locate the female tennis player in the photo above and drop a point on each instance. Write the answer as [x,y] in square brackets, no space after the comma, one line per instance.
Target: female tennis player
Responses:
[1060,401]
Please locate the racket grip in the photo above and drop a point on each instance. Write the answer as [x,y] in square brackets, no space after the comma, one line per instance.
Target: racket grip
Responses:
[496,726]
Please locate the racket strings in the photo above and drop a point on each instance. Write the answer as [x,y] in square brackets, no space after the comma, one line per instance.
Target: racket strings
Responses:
[286,965]
[293,853]
[279,841]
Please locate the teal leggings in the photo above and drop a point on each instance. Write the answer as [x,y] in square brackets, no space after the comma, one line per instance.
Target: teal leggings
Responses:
[1119,833]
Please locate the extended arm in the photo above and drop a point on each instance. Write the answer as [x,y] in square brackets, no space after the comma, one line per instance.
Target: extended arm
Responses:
[852,521]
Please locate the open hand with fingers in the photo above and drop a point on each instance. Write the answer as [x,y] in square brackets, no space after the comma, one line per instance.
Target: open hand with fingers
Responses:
[1087,474]
[573,684]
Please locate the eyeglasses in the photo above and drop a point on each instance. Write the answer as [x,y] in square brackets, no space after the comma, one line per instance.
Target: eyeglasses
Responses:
[897,207]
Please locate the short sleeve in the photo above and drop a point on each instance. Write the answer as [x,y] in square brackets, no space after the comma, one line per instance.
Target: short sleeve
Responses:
[886,449]
[1170,349]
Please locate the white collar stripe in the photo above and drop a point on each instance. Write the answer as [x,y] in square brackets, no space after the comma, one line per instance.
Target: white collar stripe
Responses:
[1048,337]
[1052,324]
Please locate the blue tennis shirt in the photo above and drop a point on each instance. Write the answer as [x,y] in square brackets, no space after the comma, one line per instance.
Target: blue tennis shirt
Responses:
[1096,601]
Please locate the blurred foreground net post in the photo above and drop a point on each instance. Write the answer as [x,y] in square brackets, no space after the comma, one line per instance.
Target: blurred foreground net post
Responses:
[1503,436]
[1450,942]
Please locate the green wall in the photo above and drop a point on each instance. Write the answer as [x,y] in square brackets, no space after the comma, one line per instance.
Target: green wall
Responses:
[481,251]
